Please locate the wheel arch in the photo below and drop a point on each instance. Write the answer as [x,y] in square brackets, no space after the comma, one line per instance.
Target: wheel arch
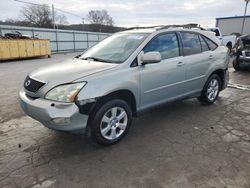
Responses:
[123,94]
[229,45]
[221,74]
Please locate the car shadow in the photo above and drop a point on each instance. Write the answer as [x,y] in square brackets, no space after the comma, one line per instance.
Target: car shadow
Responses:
[151,123]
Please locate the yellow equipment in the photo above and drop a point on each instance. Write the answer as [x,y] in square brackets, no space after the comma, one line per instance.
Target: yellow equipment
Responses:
[11,49]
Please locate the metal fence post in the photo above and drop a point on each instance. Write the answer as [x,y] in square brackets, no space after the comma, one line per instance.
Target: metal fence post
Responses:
[1,33]
[57,45]
[87,40]
[74,41]
[33,34]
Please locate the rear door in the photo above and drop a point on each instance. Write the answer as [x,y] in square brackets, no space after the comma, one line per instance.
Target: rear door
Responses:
[197,58]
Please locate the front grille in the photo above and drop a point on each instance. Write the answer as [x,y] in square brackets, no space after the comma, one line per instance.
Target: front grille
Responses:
[32,85]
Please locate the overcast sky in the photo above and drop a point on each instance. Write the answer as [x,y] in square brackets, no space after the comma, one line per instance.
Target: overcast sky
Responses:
[139,12]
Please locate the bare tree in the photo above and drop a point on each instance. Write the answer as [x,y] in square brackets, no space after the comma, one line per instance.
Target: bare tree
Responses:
[61,19]
[9,20]
[38,15]
[100,17]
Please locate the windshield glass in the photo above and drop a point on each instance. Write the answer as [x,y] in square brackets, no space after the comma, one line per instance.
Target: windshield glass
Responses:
[116,48]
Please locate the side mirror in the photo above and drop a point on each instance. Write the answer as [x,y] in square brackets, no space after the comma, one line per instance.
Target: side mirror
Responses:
[151,57]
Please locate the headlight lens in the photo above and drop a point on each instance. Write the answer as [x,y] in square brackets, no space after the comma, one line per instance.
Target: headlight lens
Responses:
[65,93]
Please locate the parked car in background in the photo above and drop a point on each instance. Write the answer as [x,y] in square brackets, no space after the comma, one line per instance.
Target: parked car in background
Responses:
[227,40]
[125,74]
[241,51]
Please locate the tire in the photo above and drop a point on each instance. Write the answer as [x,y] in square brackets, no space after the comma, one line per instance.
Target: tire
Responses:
[211,90]
[107,126]
[236,64]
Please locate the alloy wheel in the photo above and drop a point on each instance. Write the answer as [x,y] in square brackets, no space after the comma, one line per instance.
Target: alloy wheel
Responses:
[213,89]
[114,122]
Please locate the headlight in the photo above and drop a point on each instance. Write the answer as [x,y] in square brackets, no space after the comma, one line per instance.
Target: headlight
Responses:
[65,93]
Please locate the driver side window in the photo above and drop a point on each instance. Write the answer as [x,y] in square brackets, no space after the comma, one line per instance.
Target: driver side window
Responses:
[166,44]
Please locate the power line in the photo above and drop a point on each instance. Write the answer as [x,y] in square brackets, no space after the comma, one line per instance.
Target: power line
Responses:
[28,2]
[66,12]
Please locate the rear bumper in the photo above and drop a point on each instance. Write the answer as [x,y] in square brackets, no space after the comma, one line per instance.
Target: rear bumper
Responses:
[54,115]
[226,77]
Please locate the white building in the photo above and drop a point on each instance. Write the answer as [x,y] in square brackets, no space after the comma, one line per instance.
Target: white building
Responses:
[229,25]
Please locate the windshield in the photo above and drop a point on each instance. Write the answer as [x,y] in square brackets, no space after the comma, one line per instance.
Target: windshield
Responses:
[116,48]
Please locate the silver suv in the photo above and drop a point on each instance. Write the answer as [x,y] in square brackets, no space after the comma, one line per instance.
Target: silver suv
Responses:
[101,90]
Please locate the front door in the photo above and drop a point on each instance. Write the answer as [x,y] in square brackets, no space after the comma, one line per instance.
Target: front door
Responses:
[164,81]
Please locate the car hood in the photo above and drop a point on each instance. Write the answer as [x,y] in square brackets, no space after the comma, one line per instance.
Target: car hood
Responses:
[242,43]
[69,71]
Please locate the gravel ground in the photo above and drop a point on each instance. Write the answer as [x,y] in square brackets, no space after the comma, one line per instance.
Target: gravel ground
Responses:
[181,144]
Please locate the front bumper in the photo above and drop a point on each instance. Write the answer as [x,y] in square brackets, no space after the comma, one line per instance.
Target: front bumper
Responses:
[54,115]
[245,57]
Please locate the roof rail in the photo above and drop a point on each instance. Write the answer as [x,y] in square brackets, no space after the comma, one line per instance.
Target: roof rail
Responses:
[160,27]
[187,26]
[146,27]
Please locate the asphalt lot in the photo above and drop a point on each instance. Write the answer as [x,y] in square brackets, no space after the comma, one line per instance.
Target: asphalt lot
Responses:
[181,144]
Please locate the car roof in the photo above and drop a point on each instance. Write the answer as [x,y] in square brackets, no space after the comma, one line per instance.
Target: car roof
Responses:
[152,30]
[157,30]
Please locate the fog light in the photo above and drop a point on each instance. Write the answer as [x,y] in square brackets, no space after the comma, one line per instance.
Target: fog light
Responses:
[61,121]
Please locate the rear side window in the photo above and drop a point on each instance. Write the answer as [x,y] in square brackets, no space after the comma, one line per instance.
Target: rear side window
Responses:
[191,43]
[166,44]
[204,45]
[210,43]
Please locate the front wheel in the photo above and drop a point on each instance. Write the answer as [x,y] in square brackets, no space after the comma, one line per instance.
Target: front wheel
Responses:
[111,122]
[211,90]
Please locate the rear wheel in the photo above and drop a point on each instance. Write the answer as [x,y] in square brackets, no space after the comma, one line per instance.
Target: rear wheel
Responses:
[111,122]
[211,90]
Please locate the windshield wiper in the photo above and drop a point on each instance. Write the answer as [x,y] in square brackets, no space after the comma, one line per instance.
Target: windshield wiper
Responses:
[97,59]
[78,56]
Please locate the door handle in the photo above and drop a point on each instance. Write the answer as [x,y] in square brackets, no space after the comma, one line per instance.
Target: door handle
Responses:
[180,64]
[211,57]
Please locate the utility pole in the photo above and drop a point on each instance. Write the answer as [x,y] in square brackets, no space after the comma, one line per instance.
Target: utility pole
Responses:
[53,16]
[83,20]
[244,18]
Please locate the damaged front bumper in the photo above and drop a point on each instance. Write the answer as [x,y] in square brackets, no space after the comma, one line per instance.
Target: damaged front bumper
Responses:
[245,56]
[54,115]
